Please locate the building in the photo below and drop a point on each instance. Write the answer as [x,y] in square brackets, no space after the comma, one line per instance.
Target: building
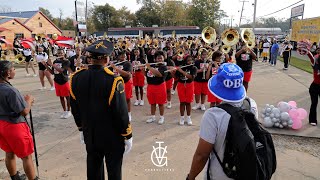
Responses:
[26,24]
[152,31]
[266,31]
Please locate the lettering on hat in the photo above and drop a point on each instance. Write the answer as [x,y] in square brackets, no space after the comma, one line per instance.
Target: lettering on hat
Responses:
[100,44]
[234,83]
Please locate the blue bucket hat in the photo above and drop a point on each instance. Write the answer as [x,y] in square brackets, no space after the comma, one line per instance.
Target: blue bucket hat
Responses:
[227,84]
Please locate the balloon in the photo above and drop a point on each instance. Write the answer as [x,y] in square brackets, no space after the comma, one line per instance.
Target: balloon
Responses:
[293,113]
[293,104]
[302,113]
[277,124]
[290,122]
[285,124]
[274,120]
[263,110]
[290,126]
[267,105]
[281,126]
[267,122]
[297,125]
[272,115]
[284,107]
[284,116]
[277,115]
[268,110]
[263,116]
[276,111]
[271,106]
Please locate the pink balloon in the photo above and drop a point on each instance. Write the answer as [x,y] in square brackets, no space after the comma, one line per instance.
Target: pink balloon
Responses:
[297,124]
[292,104]
[294,114]
[302,113]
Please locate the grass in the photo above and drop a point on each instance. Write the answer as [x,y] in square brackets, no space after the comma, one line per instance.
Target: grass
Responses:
[300,64]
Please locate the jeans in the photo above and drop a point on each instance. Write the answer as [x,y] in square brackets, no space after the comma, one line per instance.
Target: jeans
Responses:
[274,58]
[286,61]
[314,92]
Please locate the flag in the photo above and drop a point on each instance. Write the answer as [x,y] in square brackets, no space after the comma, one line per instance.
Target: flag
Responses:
[28,43]
[5,41]
[63,41]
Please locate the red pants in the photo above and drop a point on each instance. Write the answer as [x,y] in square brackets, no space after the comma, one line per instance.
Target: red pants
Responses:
[128,89]
[200,88]
[16,138]
[247,76]
[138,79]
[157,94]
[62,90]
[169,84]
[185,92]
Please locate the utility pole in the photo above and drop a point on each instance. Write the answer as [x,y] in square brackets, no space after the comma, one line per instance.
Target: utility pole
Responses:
[241,12]
[254,15]
[86,18]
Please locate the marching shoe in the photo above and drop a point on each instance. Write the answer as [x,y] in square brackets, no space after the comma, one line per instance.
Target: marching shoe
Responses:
[173,92]
[67,115]
[27,75]
[52,88]
[197,106]
[35,75]
[203,107]
[42,88]
[181,122]
[151,119]
[63,115]
[141,102]
[189,122]
[136,102]
[169,105]
[161,120]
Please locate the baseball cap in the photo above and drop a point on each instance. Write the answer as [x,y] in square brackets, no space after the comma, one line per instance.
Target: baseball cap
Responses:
[227,84]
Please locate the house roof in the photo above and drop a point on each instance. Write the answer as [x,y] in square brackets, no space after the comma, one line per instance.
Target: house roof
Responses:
[44,17]
[19,14]
[4,20]
[3,29]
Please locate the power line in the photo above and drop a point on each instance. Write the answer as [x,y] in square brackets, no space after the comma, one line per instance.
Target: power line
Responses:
[282,9]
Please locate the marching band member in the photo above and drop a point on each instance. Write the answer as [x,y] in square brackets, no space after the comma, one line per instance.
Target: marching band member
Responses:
[138,76]
[125,71]
[77,61]
[156,89]
[27,53]
[178,61]
[42,58]
[217,57]
[200,82]
[185,88]
[169,80]
[244,58]
[100,112]
[60,69]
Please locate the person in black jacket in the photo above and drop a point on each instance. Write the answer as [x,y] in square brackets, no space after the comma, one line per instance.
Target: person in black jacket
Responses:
[98,104]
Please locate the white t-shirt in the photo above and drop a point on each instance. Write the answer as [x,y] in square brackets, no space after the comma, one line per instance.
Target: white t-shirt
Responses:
[42,57]
[266,46]
[213,129]
[27,52]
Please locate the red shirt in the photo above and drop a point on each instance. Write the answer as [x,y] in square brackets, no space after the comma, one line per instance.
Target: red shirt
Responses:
[316,77]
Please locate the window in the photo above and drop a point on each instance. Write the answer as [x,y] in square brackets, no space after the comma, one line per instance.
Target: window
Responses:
[19,35]
[40,24]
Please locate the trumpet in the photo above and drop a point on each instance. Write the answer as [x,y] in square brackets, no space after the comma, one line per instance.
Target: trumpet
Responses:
[209,35]
[180,67]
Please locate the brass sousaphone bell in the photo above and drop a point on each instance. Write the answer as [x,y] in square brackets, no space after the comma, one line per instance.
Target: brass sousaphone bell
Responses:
[248,37]
[229,37]
[208,35]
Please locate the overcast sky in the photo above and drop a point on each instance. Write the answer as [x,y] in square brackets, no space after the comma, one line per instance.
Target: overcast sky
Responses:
[231,7]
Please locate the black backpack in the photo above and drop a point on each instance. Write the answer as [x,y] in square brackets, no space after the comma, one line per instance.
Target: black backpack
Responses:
[249,151]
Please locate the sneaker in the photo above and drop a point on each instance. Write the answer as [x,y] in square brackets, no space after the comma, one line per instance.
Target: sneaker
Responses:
[21,176]
[189,122]
[197,106]
[136,102]
[141,103]
[35,75]
[67,115]
[181,122]
[161,120]
[203,107]
[285,68]
[63,115]
[313,124]
[169,105]
[52,88]
[151,120]
[173,92]
[42,88]
[27,75]
[272,65]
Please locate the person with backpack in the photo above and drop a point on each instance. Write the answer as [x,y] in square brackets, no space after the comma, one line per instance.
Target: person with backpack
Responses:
[232,143]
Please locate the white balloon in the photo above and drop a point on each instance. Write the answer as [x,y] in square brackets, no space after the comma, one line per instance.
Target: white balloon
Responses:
[284,107]
[277,115]
[268,110]
[276,111]
[281,126]
[272,115]
[263,110]
[290,126]
[274,120]
[284,116]
[285,124]
[267,122]
[277,124]
[271,106]
[290,122]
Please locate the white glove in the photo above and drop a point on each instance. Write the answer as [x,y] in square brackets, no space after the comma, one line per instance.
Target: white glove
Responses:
[128,145]
[81,137]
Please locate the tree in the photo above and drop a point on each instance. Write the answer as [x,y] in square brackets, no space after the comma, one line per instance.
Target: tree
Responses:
[104,17]
[46,12]
[149,14]
[126,17]
[173,13]
[205,12]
